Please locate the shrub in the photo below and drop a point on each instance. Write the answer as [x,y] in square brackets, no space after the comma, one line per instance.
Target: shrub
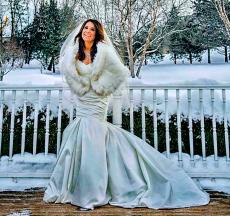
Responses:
[125,124]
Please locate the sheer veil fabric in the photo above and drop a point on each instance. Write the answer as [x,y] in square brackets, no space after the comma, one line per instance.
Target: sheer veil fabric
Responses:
[100,163]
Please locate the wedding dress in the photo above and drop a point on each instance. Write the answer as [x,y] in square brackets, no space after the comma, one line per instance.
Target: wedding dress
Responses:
[100,163]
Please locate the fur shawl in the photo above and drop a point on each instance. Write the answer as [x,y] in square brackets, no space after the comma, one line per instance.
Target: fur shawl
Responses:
[107,76]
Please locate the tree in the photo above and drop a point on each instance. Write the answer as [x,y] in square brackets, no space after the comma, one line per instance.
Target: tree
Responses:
[27,42]
[135,17]
[137,27]
[11,54]
[212,32]
[17,9]
[224,13]
[45,34]
[11,57]
[68,17]
[174,41]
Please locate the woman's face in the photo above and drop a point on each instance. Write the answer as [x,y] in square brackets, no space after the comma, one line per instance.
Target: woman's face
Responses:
[88,32]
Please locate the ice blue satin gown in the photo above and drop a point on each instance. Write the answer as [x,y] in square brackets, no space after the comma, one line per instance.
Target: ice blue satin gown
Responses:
[100,163]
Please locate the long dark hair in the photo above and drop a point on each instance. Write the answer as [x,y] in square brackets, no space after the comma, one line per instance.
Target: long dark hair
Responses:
[99,36]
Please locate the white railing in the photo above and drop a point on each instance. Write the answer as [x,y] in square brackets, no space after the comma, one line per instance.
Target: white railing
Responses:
[160,95]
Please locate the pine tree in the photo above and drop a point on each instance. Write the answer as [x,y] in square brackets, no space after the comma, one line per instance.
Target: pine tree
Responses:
[45,34]
[25,41]
[212,31]
[43,37]
[184,43]
[53,39]
[174,41]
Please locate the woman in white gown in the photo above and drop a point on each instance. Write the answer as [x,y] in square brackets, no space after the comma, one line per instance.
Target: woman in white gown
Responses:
[100,163]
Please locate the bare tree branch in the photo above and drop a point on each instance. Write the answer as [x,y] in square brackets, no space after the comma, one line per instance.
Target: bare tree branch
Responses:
[220,7]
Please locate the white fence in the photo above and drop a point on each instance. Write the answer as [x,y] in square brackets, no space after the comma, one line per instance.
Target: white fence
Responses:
[160,97]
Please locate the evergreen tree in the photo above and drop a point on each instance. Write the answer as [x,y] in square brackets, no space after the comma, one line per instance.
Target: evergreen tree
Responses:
[174,41]
[42,38]
[191,43]
[25,41]
[184,43]
[49,34]
[45,34]
[51,47]
[212,33]
[33,36]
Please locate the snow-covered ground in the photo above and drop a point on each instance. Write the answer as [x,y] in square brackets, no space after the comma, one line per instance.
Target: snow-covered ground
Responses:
[164,72]
[21,213]
[45,164]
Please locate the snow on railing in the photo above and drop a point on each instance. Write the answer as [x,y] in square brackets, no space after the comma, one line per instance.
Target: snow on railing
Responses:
[199,89]
[187,99]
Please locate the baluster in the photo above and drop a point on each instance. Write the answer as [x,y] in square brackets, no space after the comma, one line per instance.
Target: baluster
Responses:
[214,125]
[59,121]
[47,122]
[12,124]
[143,113]
[71,109]
[35,134]
[225,125]
[24,123]
[131,111]
[1,119]
[167,124]
[190,125]
[179,127]
[202,124]
[155,119]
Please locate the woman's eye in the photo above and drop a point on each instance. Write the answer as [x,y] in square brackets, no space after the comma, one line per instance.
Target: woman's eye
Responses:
[92,29]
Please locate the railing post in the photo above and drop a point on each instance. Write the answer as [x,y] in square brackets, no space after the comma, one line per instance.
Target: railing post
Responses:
[167,136]
[189,95]
[143,114]
[117,103]
[12,125]
[179,132]
[1,119]
[202,124]
[59,121]
[23,138]
[47,133]
[155,119]
[131,111]
[226,138]
[214,133]
[35,135]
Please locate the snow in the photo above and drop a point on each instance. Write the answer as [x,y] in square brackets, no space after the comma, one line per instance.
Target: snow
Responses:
[41,163]
[21,213]
[203,74]
[164,72]
[186,74]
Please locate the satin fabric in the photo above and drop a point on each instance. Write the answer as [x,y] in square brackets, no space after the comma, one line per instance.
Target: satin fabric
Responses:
[100,163]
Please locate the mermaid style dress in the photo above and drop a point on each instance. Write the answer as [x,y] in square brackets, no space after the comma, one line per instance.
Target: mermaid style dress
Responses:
[100,163]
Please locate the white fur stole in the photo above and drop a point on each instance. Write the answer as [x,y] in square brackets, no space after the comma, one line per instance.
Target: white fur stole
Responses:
[107,76]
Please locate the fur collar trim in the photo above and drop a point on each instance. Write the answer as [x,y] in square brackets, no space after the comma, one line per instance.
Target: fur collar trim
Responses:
[108,71]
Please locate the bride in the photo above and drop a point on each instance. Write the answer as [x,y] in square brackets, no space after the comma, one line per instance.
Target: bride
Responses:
[100,163]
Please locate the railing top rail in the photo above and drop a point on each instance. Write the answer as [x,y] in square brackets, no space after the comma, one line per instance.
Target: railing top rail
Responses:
[180,86]
[9,87]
